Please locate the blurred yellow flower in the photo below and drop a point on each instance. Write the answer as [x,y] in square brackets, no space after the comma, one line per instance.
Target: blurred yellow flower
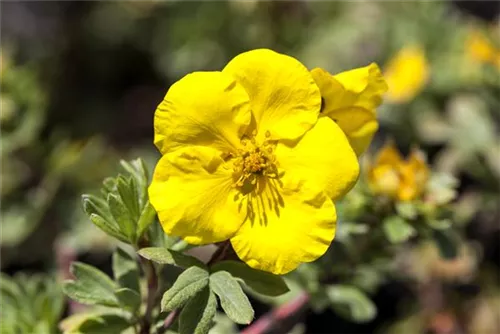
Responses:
[400,179]
[246,158]
[350,98]
[481,50]
[406,74]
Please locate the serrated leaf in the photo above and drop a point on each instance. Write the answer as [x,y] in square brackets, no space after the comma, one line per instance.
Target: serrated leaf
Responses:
[107,227]
[187,285]
[233,300]
[122,216]
[351,303]
[128,299]
[447,243]
[397,230]
[125,270]
[91,286]
[260,281]
[197,316]
[167,256]
[147,217]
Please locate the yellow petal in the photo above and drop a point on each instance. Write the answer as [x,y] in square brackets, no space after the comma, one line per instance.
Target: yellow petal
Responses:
[193,195]
[388,155]
[350,98]
[299,230]
[385,179]
[414,174]
[322,156]
[384,173]
[406,74]
[203,108]
[418,163]
[283,96]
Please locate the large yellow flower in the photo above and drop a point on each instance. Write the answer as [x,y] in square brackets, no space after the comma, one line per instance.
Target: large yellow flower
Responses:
[246,158]
[350,98]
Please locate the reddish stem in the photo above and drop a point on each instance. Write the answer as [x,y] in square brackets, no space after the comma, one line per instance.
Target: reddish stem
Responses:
[278,316]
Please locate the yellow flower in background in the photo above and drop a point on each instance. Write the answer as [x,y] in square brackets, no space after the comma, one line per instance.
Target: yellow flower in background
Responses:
[406,74]
[246,158]
[481,50]
[400,179]
[350,98]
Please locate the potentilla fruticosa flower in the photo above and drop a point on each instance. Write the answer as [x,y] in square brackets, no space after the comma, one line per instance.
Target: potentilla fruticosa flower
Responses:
[406,74]
[246,158]
[393,176]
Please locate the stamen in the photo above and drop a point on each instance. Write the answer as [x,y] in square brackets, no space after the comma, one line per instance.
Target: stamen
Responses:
[254,161]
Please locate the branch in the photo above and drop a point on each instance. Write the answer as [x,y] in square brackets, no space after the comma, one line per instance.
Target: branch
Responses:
[149,271]
[286,313]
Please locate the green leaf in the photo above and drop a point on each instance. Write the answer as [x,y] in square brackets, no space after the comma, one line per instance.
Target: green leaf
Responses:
[447,243]
[109,185]
[407,210]
[127,191]
[351,303]
[122,216]
[125,270]
[188,284]
[137,168]
[93,204]
[260,281]
[8,288]
[439,224]
[105,323]
[197,316]
[233,300]
[91,286]
[167,256]
[129,299]
[107,227]
[397,230]
[147,217]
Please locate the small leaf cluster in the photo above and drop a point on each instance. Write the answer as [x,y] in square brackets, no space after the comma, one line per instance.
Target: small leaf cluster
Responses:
[121,295]
[29,304]
[196,290]
[122,210]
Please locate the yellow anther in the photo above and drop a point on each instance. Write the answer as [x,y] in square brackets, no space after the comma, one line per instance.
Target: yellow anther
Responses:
[253,161]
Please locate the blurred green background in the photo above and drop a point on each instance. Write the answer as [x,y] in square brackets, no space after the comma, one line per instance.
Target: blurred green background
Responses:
[80,82]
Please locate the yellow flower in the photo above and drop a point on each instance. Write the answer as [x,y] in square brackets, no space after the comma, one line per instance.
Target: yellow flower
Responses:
[481,50]
[406,74]
[400,179]
[350,99]
[246,158]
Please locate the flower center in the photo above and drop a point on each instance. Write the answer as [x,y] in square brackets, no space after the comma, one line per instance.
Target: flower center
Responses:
[254,161]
